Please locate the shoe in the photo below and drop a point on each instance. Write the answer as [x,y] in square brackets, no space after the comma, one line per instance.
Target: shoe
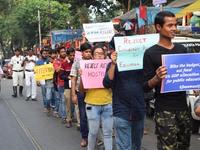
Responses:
[113,134]
[28,98]
[74,120]
[34,99]
[55,114]
[84,142]
[145,132]
[64,121]
[78,128]
[48,112]
[45,110]
[68,124]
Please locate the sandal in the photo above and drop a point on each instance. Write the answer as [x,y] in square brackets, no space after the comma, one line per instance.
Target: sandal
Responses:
[64,121]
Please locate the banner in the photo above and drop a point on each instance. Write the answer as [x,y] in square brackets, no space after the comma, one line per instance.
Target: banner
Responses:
[183,72]
[131,49]
[157,2]
[99,32]
[93,72]
[44,72]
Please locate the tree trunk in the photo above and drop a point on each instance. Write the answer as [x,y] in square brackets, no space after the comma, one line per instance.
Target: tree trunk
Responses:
[2,48]
[129,5]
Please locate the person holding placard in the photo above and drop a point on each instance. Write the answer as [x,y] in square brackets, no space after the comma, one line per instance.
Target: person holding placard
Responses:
[172,116]
[128,104]
[98,108]
[77,97]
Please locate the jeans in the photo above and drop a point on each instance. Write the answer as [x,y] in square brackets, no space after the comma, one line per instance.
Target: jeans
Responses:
[44,95]
[52,94]
[62,103]
[128,133]
[97,114]
[83,116]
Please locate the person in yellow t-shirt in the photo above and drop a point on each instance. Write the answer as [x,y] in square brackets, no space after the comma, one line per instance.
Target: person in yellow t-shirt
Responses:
[98,108]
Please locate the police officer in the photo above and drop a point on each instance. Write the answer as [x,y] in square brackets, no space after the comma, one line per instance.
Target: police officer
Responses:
[17,72]
[29,63]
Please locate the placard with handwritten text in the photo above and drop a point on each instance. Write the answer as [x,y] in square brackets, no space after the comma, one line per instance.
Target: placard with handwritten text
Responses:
[131,49]
[93,72]
[44,72]
[99,32]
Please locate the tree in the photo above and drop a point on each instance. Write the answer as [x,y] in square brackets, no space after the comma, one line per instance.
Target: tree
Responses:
[103,9]
[27,15]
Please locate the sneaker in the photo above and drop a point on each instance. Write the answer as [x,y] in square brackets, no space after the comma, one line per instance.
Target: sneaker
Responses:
[84,142]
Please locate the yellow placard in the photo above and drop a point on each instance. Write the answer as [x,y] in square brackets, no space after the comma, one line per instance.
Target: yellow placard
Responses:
[44,72]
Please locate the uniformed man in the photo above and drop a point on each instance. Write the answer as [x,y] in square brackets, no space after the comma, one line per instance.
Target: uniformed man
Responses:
[17,72]
[29,63]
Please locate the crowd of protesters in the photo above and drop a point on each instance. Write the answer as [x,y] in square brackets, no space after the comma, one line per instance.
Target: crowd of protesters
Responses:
[119,107]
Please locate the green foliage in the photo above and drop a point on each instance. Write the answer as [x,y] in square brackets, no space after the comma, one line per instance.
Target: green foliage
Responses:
[27,16]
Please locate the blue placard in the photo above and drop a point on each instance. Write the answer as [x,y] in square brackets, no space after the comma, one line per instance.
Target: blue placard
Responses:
[183,72]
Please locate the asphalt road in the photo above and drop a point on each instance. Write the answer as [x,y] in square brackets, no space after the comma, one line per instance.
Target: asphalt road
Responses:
[24,126]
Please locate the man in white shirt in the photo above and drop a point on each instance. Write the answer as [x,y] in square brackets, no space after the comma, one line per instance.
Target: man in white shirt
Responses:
[29,63]
[16,70]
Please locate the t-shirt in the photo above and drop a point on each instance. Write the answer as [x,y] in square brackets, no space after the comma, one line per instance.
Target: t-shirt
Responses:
[151,62]
[74,72]
[56,64]
[98,96]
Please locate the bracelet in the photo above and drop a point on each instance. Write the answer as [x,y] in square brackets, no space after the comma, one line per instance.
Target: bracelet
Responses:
[150,83]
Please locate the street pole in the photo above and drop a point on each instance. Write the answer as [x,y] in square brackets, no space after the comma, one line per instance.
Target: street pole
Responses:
[50,23]
[40,39]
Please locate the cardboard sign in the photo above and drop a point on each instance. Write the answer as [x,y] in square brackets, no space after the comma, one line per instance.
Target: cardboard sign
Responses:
[93,72]
[44,72]
[131,49]
[78,55]
[99,32]
[183,72]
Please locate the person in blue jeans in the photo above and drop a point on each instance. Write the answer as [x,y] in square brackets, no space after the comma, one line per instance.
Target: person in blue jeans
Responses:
[77,97]
[42,61]
[128,104]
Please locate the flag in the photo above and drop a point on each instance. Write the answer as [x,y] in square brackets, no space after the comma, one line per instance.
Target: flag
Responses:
[143,12]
